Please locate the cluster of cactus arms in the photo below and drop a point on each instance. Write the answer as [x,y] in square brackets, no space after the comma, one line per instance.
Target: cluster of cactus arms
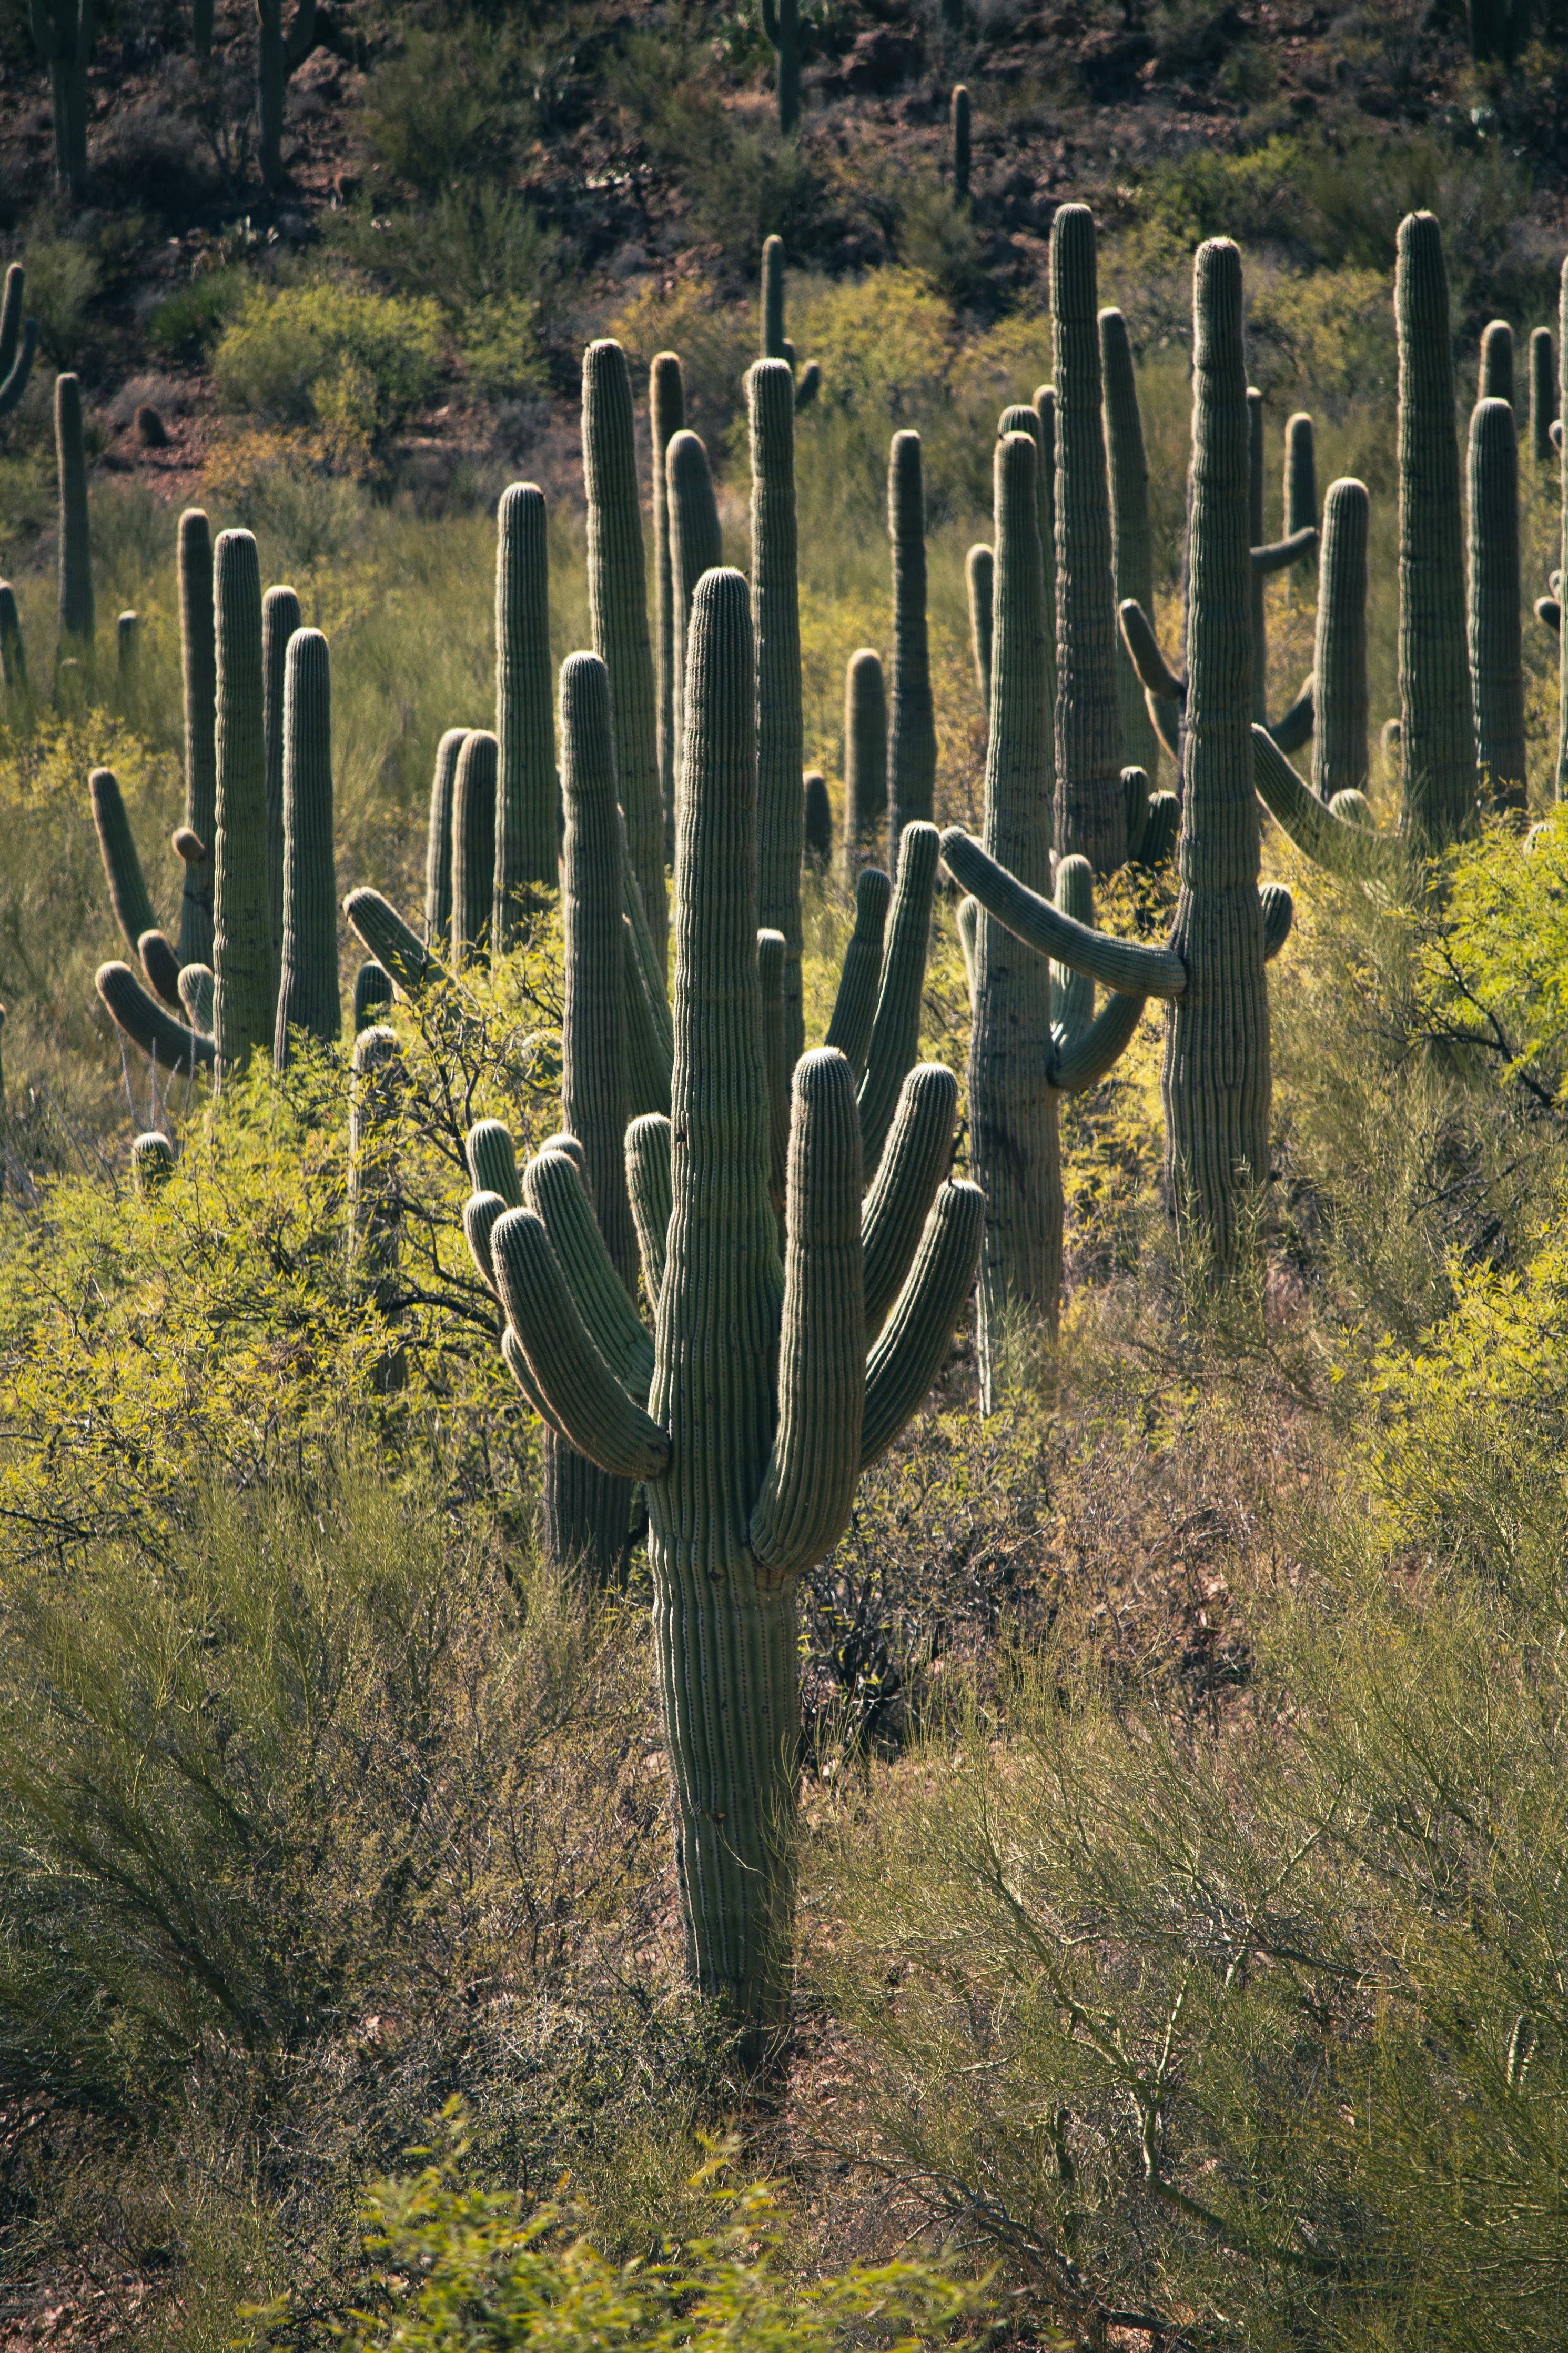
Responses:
[18,340]
[1132,540]
[958,117]
[865,756]
[767,1385]
[779,21]
[775,344]
[912,718]
[77,625]
[1543,395]
[1497,668]
[1215,1082]
[666,419]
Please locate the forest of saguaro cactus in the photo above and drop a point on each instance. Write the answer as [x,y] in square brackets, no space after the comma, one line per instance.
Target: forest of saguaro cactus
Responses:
[783,1160]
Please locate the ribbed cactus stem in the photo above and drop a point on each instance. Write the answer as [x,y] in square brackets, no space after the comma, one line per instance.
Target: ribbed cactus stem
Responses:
[243,960]
[859,975]
[172,1044]
[280,617]
[116,846]
[781,28]
[1090,808]
[1132,538]
[1217,1077]
[775,621]
[1014,1149]
[528,797]
[198,651]
[1340,748]
[666,416]
[911,724]
[618,612]
[373,995]
[865,756]
[12,652]
[1255,527]
[74,530]
[816,829]
[773,299]
[695,547]
[18,340]
[1495,376]
[1497,668]
[473,845]
[1045,408]
[896,1026]
[1300,488]
[151,1163]
[439,841]
[647,1186]
[1436,727]
[375,1187]
[128,652]
[308,999]
[1543,395]
[980,575]
[958,119]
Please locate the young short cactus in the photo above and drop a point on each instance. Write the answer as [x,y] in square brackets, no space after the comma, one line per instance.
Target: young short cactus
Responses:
[911,723]
[1437,725]
[763,1403]
[1543,395]
[958,120]
[1091,811]
[247,999]
[280,617]
[1497,667]
[617,614]
[1215,1080]
[1339,762]
[528,797]
[152,1162]
[1132,540]
[695,547]
[980,577]
[1494,379]
[75,529]
[666,419]
[776,624]
[198,652]
[18,340]
[473,845]
[307,997]
[865,756]
[775,344]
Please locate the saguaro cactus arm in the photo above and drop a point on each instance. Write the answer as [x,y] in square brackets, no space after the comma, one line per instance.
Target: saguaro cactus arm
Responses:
[1280,554]
[117,846]
[1342,849]
[1094,1053]
[552,1187]
[19,341]
[399,951]
[586,1402]
[1279,914]
[914,1161]
[1131,967]
[914,1342]
[855,1005]
[895,1030]
[652,1198]
[145,1023]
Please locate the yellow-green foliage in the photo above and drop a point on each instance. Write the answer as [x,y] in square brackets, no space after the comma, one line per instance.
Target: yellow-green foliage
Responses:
[355,364]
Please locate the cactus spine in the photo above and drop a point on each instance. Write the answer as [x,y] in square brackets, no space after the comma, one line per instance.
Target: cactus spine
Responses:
[1090,806]
[18,341]
[618,612]
[695,547]
[307,982]
[246,991]
[959,117]
[1543,395]
[1495,376]
[865,756]
[527,799]
[1497,669]
[912,727]
[280,617]
[1436,728]
[1340,735]
[666,416]
[198,652]
[1131,541]
[473,845]
[776,624]
[74,531]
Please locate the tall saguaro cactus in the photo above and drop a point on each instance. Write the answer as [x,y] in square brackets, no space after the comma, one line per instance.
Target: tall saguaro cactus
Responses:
[763,1403]
[1132,540]
[865,755]
[1542,395]
[1436,726]
[307,997]
[1497,667]
[62,32]
[245,997]
[912,727]
[666,417]
[1090,804]
[473,844]
[280,617]
[528,799]
[776,344]
[781,29]
[198,653]
[617,614]
[75,529]
[279,54]
[775,622]
[1340,733]
[695,547]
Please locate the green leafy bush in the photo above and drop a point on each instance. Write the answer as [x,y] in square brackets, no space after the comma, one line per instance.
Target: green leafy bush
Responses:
[356,364]
[63,277]
[449,107]
[186,324]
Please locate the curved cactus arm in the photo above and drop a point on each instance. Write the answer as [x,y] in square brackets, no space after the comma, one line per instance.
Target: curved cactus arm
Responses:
[1549,609]
[896,1030]
[651,1193]
[146,1024]
[771,953]
[1281,553]
[1279,914]
[1294,726]
[581,1398]
[492,1161]
[482,1212]
[552,1187]
[650,963]
[400,952]
[648,1057]
[1096,1051]
[915,1159]
[809,1486]
[122,866]
[855,1005]
[517,1365]
[1132,968]
[1327,840]
[161,967]
[967,919]
[1162,823]
[18,341]
[1159,680]
[914,1341]
[1073,991]
[198,984]
[1166,718]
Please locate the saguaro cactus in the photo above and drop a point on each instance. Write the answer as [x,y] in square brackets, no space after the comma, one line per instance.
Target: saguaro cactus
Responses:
[528,797]
[18,340]
[1300,489]
[308,996]
[198,651]
[1436,727]
[1132,540]
[1090,806]
[62,32]
[376,1182]
[980,578]
[246,999]
[74,531]
[666,417]
[279,56]
[617,614]
[1497,668]
[776,344]
[750,1472]
[280,617]
[865,756]
[776,623]
[959,120]
[695,547]
[1495,376]
[781,29]
[473,844]
[911,728]
[1543,395]
[1339,736]
[439,840]
[1562,455]
[816,821]
[373,993]
[12,652]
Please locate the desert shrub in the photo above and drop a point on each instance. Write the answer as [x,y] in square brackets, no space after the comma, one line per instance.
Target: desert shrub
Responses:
[742,184]
[476,250]
[187,322]
[449,107]
[63,277]
[357,364]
